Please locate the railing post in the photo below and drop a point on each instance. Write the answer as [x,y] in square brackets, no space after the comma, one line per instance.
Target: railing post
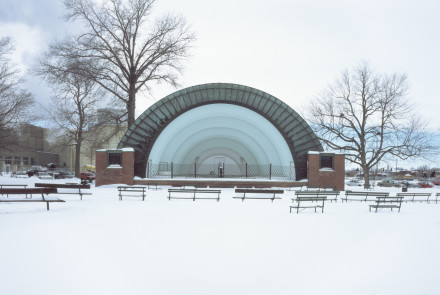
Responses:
[195,170]
[270,171]
[246,171]
[172,172]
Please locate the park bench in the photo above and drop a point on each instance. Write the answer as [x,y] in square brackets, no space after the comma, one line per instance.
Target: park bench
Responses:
[363,196]
[307,202]
[29,191]
[13,186]
[387,203]
[192,193]
[70,186]
[331,195]
[266,192]
[436,197]
[153,186]
[319,188]
[411,197]
[132,191]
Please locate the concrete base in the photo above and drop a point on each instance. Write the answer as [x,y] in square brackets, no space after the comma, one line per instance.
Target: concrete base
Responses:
[220,183]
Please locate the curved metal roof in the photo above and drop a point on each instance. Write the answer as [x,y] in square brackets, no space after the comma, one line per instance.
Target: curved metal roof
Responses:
[143,133]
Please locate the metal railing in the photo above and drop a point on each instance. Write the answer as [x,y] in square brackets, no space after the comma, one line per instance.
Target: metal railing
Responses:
[244,171]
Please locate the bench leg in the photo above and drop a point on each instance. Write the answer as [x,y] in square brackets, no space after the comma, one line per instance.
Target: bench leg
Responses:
[47,203]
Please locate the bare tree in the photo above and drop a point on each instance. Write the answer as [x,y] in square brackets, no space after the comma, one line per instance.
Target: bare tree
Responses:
[74,103]
[126,50]
[14,100]
[368,117]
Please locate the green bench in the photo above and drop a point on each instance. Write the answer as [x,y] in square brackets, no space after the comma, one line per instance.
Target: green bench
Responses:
[331,195]
[310,202]
[132,191]
[253,191]
[411,197]
[387,203]
[363,196]
[193,194]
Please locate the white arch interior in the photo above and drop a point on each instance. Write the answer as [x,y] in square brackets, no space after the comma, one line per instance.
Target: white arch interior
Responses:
[236,133]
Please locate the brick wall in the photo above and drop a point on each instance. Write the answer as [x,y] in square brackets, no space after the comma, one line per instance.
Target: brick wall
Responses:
[326,177]
[114,175]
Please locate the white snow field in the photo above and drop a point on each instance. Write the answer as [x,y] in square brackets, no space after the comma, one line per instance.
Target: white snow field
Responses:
[105,246]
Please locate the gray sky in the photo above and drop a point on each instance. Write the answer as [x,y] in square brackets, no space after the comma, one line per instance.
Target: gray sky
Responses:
[291,49]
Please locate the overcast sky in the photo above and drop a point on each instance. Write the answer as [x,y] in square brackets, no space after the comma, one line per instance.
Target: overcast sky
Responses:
[291,49]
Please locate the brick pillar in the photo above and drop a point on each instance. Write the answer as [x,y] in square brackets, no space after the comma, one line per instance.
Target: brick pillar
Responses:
[115,174]
[326,177]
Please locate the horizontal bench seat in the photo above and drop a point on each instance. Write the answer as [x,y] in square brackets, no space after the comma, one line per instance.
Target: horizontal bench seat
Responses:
[71,186]
[411,197]
[29,191]
[182,193]
[331,195]
[245,191]
[363,196]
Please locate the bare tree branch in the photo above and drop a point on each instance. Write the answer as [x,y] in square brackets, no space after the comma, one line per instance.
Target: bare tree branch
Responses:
[14,100]
[126,49]
[368,116]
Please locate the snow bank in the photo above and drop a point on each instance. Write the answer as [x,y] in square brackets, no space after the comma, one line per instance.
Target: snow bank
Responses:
[105,246]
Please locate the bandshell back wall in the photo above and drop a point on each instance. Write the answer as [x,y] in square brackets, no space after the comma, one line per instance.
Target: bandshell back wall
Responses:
[143,133]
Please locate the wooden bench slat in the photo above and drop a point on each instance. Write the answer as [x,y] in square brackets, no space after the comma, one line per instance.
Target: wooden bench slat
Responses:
[366,195]
[66,186]
[30,191]
[245,191]
[194,192]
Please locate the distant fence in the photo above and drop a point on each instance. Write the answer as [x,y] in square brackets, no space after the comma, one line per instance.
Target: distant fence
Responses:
[244,171]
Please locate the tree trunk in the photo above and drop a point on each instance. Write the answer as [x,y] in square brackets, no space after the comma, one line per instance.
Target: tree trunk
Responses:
[366,177]
[77,159]
[131,106]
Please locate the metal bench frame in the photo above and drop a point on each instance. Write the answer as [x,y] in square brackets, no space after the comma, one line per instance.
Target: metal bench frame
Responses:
[124,191]
[320,200]
[387,203]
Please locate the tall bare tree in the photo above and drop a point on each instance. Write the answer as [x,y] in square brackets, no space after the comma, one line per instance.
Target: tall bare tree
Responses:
[15,101]
[368,116]
[127,51]
[73,105]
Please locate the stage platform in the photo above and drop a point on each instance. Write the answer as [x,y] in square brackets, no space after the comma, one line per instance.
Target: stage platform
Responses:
[221,182]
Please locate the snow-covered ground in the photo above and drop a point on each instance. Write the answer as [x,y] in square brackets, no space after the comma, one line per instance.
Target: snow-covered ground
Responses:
[105,246]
